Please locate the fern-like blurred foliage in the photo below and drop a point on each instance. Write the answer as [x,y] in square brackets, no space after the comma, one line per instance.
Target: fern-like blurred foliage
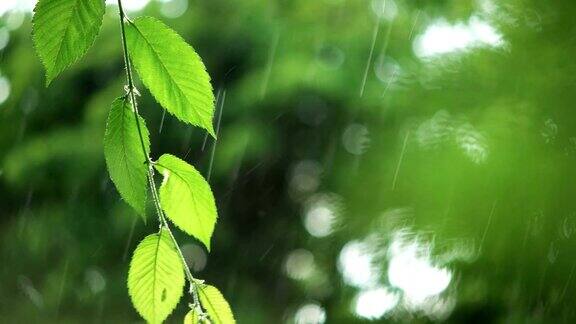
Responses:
[407,161]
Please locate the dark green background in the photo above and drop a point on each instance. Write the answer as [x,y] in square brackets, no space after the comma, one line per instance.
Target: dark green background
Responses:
[481,144]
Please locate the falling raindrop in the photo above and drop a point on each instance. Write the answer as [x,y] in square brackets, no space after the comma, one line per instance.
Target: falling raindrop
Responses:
[62,286]
[270,63]
[162,123]
[568,281]
[400,159]
[129,240]
[415,24]
[370,54]
[25,284]
[488,223]
[213,151]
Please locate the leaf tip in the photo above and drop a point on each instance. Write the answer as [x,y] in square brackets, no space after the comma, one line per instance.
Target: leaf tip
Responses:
[142,215]
[206,243]
[51,75]
[48,81]
[210,130]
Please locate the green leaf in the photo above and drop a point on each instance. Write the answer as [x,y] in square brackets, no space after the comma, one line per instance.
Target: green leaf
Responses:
[172,71]
[191,317]
[64,30]
[124,156]
[215,305]
[156,277]
[186,198]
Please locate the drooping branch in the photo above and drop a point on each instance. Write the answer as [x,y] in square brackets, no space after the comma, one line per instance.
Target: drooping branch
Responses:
[163,223]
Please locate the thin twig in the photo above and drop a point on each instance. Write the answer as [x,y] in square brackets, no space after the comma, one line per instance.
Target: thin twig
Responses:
[130,81]
[221,107]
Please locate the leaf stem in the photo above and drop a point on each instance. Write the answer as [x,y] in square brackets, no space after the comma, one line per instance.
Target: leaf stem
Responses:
[130,80]
[163,223]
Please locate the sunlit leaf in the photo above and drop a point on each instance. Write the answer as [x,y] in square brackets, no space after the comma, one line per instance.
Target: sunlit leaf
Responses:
[215,305]
[124,155]
[172,71]
[186,198]
[156,277]
[63,30]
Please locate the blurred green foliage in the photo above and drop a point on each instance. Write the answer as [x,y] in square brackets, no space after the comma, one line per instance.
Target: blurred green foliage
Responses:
[470,154]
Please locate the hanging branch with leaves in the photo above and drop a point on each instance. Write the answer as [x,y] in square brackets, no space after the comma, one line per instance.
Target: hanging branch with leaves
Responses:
[63,31]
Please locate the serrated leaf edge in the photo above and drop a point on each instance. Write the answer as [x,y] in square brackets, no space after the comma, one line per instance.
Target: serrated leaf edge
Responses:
[210,129]
[50,78]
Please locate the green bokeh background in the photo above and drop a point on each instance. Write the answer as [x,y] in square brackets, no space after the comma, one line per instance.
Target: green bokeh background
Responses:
[472,153]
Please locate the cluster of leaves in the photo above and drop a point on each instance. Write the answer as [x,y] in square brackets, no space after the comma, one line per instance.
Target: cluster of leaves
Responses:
[63,32]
